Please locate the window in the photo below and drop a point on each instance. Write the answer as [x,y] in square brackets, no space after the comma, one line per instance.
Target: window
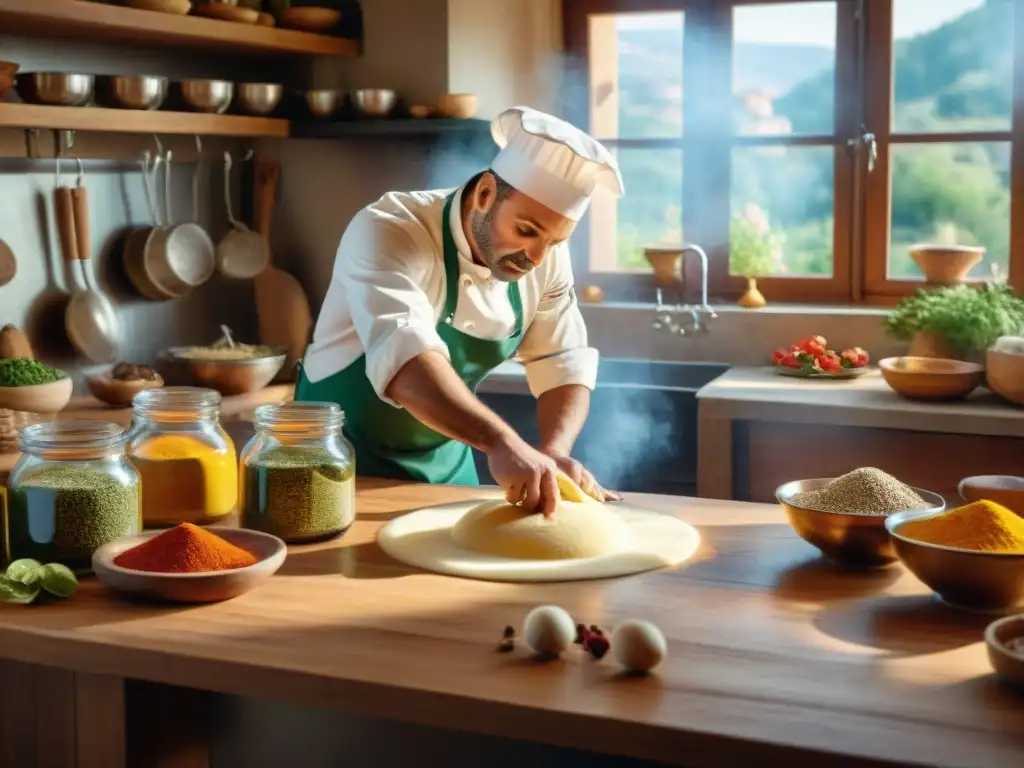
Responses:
[809,142]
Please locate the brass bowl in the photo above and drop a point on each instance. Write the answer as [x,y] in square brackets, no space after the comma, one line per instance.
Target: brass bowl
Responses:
[208,95]
[132,91]
[229,377]
[850,539]
[978,581]
[259,98]
[54,88]
[1009,665]
[931,378]
[323,102]
[374,102]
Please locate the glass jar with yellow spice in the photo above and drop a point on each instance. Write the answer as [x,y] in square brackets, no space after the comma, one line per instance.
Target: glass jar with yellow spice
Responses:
[186,460]
[298,473]
[71,491]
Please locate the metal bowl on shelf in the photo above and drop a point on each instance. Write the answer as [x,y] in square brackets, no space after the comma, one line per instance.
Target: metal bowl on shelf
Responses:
[208,95]
[55,88]
[323,102]
[132,91]
[259,98]
[374,102]
[861,540]
[229,377]
[964,578]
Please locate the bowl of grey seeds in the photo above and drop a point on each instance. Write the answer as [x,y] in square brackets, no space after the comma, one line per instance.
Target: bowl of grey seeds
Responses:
[844,517]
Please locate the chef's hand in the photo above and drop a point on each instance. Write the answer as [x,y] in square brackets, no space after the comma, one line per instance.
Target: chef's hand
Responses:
[526,474]
[582,477]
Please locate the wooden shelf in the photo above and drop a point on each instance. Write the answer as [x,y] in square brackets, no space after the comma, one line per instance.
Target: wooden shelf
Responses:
[137,121]
[397,128]
[98,22]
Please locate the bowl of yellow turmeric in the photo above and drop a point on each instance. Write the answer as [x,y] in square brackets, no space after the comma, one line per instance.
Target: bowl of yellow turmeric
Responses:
[972,557]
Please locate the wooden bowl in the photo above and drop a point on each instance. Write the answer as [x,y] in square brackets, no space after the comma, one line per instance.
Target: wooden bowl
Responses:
[266,20]
[420,111]
[208,587]
[930,378]
[1008,664]
[945,264]
[179,7]
[310,19]
[460,106]
[1002,489]
[859,540]
[964,578]
[39,398]
[1004,375]
[117,392]
[227,12]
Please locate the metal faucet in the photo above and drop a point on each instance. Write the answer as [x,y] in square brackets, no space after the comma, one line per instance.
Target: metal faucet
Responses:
[663,319]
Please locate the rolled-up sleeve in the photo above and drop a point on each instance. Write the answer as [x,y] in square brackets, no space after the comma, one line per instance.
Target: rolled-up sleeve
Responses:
[383,270]
[554,349]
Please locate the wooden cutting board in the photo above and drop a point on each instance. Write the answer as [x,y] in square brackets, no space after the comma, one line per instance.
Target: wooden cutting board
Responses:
[281,304]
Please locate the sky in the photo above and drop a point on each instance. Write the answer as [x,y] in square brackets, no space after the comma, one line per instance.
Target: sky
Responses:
[813,23]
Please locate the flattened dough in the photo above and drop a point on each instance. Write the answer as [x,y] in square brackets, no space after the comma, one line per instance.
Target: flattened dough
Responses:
[423,539]
[576,530]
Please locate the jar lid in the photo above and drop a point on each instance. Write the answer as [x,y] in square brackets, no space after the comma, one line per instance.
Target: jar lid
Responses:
[199,402]
[298,416]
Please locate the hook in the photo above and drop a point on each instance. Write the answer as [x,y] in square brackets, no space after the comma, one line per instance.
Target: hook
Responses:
[159,146]
[199,148]
[248,156]
[81,171]
[227,161]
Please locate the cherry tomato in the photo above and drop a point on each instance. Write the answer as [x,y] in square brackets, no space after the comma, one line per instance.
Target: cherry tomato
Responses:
[778,355]
[790,361]
[830,363]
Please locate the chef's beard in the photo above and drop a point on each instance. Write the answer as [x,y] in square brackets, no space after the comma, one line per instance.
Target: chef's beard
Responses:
[498,263]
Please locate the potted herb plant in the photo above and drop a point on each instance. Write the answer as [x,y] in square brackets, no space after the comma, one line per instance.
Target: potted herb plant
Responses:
[754,250]
[956,321]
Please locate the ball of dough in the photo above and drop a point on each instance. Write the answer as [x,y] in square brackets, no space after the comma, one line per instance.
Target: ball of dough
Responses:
[574,531]
[638,645]
[549,630]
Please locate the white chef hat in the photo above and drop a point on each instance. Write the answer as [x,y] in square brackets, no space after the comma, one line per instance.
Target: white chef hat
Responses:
[552,161]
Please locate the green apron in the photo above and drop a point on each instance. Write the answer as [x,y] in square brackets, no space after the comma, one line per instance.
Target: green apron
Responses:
[389,441]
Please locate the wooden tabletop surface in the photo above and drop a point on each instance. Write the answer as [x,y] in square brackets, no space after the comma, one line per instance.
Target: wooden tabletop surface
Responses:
[774,656]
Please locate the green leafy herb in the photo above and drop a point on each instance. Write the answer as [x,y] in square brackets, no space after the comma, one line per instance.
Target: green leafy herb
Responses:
[12,591]
[26,570]
[26,578]
[59,580]
[21,372]
[969,319]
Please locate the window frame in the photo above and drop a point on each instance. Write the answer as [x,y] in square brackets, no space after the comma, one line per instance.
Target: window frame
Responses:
[861,200]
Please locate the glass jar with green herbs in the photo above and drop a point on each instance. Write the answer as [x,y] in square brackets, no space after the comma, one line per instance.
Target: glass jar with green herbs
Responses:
[298,473]
[72,491]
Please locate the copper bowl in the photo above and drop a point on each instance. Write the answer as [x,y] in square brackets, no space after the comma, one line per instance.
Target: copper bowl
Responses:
[965,578]
[860,540]
[1008,663]
[931,378]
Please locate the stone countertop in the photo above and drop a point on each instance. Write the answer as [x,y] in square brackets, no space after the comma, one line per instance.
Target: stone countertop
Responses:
[760,394]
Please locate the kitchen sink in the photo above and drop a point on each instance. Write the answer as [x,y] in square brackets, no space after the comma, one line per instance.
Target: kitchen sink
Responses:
[641,435]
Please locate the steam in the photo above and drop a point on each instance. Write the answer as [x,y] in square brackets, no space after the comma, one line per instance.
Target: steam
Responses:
[633,430]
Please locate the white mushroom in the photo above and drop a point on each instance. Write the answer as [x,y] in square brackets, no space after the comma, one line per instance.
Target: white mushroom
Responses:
[638,645]
[548,630]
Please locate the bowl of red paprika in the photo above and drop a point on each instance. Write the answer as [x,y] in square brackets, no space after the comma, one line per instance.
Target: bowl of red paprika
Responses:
[189,564]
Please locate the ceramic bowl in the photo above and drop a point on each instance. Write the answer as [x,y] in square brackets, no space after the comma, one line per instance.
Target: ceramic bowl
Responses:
[931,378]
[460,106]
[208,587]
[1007,662]
[39,398]
[1002,489]
[310,19]
[945,264]
[117,392]
[976,581]
[851,539]
[1004,375]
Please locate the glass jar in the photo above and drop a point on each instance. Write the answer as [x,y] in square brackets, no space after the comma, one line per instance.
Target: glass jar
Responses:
[298,473]
[72,491]
[186,460]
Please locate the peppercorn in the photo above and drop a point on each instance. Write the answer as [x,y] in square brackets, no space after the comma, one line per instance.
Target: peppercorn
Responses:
[581,630]
[508,640]
[593,641]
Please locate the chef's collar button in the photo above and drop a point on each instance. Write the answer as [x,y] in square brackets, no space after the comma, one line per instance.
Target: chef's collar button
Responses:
[467,281]
[448,320]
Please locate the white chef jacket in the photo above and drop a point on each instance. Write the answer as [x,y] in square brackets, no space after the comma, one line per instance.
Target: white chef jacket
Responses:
[388,288]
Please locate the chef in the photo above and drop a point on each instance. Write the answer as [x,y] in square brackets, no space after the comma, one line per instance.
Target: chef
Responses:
[433,290]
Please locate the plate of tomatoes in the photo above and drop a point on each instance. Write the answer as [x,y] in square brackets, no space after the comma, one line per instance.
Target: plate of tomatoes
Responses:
[811,358]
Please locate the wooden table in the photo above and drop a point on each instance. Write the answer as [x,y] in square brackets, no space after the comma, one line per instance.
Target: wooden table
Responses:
[775,658]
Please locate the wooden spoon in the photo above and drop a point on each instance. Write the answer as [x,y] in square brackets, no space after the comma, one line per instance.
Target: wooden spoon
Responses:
[281,304]
[8,264]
